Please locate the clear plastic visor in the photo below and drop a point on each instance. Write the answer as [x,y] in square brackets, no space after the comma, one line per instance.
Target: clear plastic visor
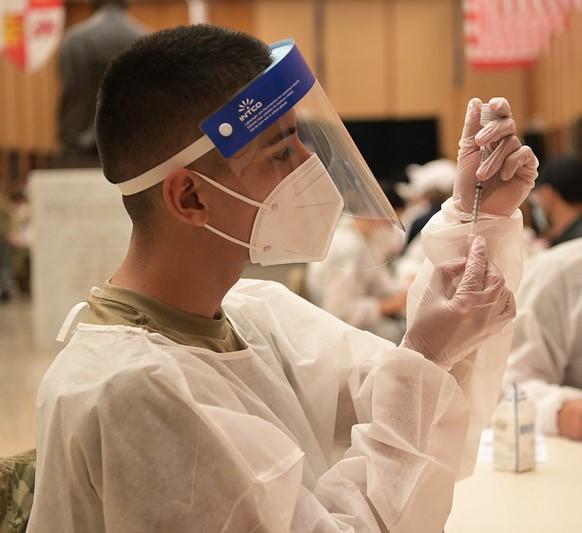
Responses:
[368,232]
[283,176]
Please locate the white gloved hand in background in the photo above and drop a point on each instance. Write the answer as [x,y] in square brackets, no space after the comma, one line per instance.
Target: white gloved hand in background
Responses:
[452,322]
[512,166]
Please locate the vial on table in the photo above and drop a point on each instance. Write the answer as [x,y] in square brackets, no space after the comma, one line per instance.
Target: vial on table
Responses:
[514,436]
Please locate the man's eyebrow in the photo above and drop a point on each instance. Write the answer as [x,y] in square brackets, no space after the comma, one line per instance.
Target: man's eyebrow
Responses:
[280,136]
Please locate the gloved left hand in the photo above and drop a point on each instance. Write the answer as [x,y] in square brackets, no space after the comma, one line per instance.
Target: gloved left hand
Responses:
[512,166]
[451,323]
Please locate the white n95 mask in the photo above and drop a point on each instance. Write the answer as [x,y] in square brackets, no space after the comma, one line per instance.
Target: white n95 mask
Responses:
[297,220]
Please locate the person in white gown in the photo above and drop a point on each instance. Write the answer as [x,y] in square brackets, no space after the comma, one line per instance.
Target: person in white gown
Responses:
[546,354]
[188,401]
[354,283]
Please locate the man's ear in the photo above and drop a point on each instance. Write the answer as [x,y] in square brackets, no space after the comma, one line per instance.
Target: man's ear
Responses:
[181,197]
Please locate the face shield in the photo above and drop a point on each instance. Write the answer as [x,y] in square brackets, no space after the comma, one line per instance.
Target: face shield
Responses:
[293,161]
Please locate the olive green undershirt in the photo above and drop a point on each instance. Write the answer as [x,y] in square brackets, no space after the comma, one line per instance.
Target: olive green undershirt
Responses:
[114,305]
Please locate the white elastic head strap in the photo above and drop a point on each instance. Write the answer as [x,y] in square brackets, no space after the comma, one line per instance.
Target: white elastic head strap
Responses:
[188,155]
[159,173]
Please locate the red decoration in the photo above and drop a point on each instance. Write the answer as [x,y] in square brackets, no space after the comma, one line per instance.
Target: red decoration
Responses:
[512,33]
[32,30]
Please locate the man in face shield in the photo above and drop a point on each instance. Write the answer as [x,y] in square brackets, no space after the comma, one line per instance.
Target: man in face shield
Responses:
[188,401]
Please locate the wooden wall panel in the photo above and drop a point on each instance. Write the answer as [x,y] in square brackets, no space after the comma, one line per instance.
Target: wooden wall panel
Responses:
[274,20]
[28,108]
[559,53]
[14,106]
[234,14]
[424,47]
[6,96]
[390,59]
[382,58]
[557,79]
[355,47]
[547,79]
[3,104]
[576,61]
[424,68]
[47,105]
[158,16]
[486,84]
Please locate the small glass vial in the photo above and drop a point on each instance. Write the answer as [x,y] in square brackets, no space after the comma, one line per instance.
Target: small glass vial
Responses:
[514,435]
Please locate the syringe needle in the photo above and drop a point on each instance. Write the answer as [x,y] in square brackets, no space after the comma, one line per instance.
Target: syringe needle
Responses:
[476,208]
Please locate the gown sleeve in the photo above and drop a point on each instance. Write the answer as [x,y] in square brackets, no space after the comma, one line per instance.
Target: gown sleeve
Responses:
[414,427]
[545,337]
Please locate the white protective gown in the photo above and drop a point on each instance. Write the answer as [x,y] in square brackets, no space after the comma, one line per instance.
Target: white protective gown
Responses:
[546,355]
[139,434]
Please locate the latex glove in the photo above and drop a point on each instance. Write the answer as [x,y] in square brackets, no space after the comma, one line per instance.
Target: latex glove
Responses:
[570,419]
[451,323]
[509,172]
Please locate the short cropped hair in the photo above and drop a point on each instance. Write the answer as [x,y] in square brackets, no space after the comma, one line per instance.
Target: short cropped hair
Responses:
[564,175]
[154,95]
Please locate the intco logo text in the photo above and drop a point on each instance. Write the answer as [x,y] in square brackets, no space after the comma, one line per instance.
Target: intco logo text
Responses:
[247,107]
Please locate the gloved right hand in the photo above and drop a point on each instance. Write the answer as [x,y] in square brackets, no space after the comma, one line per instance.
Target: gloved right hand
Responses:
[451,323]
[508,174]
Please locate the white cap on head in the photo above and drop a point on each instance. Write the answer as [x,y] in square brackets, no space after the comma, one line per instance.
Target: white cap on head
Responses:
[438,174]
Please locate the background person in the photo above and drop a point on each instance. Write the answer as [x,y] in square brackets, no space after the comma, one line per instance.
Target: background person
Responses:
[558,199]
[430,186]
[360,290]
[85,52]
[546,354]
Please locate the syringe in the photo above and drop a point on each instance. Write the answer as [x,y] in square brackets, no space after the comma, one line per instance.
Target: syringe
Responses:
[476,207]
[487,115]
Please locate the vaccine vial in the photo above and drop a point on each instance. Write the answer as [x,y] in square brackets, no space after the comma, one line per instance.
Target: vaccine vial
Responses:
[514,436]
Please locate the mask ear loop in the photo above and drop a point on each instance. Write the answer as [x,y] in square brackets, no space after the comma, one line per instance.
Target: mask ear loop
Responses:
[232,193]
[234,240]
[242,198]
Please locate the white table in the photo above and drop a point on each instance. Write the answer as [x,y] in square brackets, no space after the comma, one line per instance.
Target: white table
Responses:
[546,500]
